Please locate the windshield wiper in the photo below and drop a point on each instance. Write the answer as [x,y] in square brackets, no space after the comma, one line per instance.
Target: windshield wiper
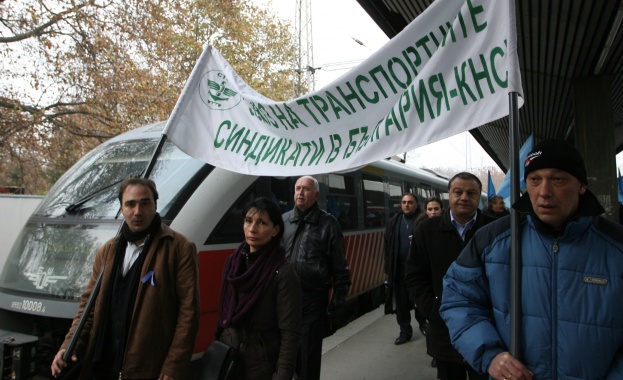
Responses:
[78,204]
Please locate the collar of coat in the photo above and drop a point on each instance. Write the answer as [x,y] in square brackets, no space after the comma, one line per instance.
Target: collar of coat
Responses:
[310,215]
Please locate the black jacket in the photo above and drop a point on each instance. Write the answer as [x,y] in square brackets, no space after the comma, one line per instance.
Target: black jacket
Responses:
[391,241]
[315,247]
[269,336]
[435,246]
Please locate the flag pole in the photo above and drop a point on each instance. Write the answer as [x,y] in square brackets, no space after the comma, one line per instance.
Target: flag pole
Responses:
[180,105]
[154,157]
[515,265]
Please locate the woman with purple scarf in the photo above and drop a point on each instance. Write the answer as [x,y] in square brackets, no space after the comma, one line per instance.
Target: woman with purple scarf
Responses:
[260,304]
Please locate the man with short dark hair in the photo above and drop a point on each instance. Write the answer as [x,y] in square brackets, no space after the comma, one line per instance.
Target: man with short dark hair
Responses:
[315,247]
[146,314]
[571,281]
[398,234]
[496,207]
[436,243]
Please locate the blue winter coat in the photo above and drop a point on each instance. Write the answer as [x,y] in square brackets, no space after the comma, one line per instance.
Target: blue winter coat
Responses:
[572,295]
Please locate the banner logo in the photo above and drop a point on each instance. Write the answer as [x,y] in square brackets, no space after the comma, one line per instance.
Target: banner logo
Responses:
[43,277]
[216,92]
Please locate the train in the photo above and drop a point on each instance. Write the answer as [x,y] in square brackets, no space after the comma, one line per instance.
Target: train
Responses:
[50,262]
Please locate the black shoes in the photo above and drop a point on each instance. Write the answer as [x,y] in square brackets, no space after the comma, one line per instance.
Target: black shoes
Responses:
[402,340]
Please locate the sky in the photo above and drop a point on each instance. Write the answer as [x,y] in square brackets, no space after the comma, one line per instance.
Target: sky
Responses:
[344,35]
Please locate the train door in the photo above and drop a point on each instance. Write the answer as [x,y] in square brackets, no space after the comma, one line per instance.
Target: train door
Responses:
[374,201]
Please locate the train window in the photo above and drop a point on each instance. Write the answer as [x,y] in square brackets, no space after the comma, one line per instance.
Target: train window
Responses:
[341,185]
[90,190]
[342,201]
[65,250]
[229,228]
[282,193]
[425,190]
[395,197]
[444,196]
[374,202]
[412,189]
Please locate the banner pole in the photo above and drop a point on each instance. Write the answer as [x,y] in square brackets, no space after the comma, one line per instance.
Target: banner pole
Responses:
[515,265]
[154,157]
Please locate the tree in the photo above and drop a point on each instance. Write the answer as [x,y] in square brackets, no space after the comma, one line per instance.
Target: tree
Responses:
[78,72]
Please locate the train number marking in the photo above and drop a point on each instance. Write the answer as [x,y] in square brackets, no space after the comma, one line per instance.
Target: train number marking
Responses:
[28,305]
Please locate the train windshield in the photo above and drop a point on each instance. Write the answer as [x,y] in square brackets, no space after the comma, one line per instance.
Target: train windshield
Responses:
[90,190]
[54,253]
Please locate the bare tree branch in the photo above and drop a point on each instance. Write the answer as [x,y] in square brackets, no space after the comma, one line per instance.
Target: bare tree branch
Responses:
[42,29]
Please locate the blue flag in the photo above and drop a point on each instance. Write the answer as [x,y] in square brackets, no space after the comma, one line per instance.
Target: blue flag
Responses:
[505,188]
[491,188]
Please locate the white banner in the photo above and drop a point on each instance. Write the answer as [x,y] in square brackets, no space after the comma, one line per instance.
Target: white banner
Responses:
[448,71]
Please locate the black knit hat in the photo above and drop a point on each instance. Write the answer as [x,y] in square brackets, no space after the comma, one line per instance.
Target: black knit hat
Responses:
[556,154]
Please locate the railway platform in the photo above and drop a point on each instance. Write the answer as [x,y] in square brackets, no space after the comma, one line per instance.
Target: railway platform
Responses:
[365,350]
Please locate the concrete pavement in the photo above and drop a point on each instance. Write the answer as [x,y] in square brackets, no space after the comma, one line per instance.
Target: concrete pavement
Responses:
[365,350]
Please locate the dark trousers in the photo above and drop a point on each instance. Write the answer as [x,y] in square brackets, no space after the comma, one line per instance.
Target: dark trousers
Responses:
[113,376]
[105,375]
[404,304]
[403,309]
[453,371]
[312,332]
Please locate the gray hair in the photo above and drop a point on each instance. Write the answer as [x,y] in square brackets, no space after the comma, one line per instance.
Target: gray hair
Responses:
[316,185]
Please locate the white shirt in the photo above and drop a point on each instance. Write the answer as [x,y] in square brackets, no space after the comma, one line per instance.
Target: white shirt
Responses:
[463,229]
[131,254]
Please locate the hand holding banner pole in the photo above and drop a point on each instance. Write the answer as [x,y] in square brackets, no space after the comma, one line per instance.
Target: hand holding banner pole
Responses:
[83,318]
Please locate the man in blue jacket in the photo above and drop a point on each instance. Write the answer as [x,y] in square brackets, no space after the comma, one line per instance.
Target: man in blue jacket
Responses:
[572,281]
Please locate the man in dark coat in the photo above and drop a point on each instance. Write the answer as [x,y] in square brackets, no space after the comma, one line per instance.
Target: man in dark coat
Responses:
[315,247]
[397,239]
[436,244]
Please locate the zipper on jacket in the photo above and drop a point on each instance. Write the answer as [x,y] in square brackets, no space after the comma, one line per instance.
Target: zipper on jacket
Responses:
[554,323]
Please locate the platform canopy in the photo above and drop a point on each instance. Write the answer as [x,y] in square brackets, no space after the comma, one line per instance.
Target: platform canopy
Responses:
[559,41]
